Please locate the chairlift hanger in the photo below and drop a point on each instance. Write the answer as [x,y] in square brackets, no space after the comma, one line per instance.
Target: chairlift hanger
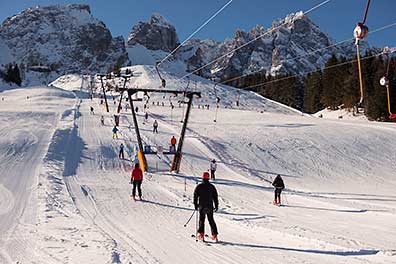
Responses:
[360,32]
[384,81]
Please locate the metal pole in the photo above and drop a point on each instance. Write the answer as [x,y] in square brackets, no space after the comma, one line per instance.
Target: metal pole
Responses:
[142,157]
[104,94]
[122,93]
[360,75]
[178,155]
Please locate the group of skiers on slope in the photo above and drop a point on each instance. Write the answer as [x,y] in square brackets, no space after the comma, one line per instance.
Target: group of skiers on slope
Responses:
[205,194]
[205,199]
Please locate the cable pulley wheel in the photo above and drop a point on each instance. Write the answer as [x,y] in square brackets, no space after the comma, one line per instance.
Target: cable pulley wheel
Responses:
[361,31]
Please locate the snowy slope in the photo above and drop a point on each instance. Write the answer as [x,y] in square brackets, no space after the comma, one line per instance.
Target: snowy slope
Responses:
[339,205]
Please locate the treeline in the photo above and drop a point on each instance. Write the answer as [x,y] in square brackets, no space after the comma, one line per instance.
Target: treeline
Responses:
[10,73]
[334,87]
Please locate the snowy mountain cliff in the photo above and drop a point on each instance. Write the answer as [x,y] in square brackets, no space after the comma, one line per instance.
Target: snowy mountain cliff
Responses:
[61,39]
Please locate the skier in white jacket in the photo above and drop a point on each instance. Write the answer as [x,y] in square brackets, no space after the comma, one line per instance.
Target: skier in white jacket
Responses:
[213,167]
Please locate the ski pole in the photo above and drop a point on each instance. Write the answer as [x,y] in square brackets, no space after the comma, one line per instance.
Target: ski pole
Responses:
[196,228]
[287,202]
[189,219]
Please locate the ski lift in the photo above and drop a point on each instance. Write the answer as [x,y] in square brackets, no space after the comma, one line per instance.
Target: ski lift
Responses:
[360,32]
[217,102]
[163,81]
[384,81]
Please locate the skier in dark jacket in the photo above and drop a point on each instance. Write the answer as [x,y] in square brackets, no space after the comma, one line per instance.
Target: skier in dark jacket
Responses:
[205,196]
[279,186]
[155,127]
[121,152]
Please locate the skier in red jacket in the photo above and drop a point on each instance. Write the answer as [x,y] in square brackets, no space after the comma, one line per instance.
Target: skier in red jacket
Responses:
[136,180]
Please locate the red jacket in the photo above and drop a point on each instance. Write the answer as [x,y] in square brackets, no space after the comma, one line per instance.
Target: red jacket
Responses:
[137,174]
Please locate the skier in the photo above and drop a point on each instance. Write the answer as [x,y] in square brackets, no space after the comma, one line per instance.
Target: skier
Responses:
[92,111]
[136,180]
[102,120]
[213,167]
[173,144]
[205,195]
[115,130]
[155,127]
[136,109]
[121,152]
[279,186]
[146,116]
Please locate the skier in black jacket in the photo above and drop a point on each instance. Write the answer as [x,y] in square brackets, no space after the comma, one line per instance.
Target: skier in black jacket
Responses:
[205,195]
[279,186]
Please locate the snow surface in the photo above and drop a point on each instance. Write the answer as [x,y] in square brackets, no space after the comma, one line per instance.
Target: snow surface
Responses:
[64,194]
[344,113]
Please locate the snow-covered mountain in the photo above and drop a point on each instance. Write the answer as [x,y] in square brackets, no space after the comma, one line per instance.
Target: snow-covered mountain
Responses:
[291,37]
[62,39]
[156,34]
[5,53]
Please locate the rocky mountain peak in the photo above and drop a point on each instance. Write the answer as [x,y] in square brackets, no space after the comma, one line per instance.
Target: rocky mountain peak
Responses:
[65,38]
[156,34]
[159,20]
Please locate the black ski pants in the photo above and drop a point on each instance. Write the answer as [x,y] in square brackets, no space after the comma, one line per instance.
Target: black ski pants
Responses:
[121,154]
[137,184]
[212,174]
[278,192]
[203,212]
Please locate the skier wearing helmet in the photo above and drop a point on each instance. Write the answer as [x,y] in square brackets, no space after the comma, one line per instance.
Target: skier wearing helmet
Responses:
[206,201]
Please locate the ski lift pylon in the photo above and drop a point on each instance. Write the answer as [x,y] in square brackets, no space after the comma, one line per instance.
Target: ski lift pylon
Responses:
[384,81]
[163,81]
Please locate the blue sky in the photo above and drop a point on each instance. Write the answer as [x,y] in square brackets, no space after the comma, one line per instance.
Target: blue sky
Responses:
[336,18]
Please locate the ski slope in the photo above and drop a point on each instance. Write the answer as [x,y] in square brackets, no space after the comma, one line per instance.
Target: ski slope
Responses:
[65,194]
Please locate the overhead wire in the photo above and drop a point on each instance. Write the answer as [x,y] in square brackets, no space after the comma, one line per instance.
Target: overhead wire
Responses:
[196,31]
[308,53]
[297,75]
[256,38]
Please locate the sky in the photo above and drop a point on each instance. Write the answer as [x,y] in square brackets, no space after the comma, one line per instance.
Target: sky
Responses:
[337,18]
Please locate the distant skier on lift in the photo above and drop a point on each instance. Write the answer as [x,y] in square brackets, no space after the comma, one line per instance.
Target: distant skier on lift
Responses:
[115,130]
[213,167]
[121,152]
[155,127]
[136,180]
[205,196]
[279,186]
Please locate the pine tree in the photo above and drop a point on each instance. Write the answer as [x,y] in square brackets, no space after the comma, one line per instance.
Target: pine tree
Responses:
[332,84]
[312,92]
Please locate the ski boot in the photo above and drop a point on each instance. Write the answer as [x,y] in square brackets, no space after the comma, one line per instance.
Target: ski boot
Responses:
[214,238]
[201,236]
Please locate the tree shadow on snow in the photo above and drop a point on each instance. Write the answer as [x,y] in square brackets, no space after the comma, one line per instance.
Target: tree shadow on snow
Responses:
[223,182]
[241,166]
[291,125]
[73,152]
[327,209]
[357,196]
[362,252]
